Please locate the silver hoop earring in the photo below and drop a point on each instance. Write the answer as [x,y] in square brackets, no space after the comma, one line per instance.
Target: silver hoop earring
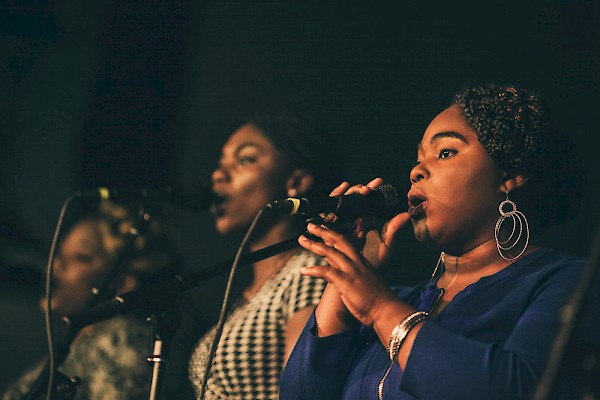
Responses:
[519,232]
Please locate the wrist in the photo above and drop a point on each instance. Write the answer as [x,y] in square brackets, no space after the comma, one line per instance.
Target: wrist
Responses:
[388,310]
[401,331]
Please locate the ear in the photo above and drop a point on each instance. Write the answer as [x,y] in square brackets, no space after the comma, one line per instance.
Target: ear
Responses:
[513,182]
[299,183]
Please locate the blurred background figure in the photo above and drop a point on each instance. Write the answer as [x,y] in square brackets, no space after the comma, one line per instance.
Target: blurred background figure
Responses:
[265,159]
[109,357]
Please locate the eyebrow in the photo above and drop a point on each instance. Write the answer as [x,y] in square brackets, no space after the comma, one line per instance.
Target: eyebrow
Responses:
[246,144]
[90,244]
[442,135]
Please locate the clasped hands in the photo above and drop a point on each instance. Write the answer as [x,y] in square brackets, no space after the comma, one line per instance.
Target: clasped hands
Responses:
[354,258]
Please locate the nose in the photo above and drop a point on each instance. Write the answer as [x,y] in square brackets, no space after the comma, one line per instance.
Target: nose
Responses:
[418,173]
[58,266]
[220,174]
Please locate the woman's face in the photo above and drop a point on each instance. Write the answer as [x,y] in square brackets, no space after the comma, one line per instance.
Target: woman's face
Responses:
[81,264]
[251,173]
[456,187]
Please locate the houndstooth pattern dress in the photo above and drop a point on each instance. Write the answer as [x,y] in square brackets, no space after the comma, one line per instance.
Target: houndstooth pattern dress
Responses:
[249,358]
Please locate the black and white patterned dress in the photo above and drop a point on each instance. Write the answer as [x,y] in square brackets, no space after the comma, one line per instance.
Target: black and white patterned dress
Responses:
[249,358]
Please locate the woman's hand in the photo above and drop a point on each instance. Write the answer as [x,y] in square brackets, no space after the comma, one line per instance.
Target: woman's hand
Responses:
[354,285]
[376,246]
[360,288]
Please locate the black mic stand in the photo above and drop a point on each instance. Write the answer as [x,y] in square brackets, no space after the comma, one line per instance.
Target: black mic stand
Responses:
[170,288]
[165,319]
[162,298]
[66,387]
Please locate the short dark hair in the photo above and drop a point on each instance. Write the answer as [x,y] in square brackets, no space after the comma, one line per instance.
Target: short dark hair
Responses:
[515,128]
[305,146]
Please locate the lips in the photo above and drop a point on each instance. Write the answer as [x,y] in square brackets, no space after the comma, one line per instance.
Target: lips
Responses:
[417,201]
[217,204]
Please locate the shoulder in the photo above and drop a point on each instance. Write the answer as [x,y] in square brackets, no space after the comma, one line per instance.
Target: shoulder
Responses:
[301,259]
[290,274]
[547,263]
[295,291]
[123,329]
[18,389]
[118,339]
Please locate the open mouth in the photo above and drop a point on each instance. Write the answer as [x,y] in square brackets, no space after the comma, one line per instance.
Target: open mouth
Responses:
[416,204]
[216,206]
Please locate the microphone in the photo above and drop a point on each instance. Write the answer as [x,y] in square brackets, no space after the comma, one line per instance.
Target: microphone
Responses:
[198,198]
[383,201]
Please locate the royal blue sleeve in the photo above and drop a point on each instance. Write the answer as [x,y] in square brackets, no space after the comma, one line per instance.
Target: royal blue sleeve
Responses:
[445,364]
[318,367]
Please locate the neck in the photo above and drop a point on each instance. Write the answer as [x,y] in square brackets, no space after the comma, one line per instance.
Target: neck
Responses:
[466,268]
[482,257]
[264,269]
[273,232]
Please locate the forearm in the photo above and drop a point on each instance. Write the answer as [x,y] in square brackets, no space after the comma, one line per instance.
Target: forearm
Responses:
[388,315]
[476,369]
[318,366]
[331,314]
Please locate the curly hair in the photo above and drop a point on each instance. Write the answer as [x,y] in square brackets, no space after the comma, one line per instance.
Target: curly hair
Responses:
[515,128]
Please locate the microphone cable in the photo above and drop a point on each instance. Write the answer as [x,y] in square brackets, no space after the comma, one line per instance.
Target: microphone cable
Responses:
[48,295]
[225,304]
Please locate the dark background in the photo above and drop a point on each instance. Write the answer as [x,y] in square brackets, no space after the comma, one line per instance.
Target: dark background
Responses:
[144,93]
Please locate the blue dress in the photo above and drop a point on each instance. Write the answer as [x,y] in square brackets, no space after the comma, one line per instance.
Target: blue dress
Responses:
[491,341]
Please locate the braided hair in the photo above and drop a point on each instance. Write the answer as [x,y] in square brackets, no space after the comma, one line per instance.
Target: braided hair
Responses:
[516,130]
[306,146]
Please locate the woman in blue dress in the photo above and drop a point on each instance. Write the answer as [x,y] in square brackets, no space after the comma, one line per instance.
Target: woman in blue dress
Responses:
[491,170]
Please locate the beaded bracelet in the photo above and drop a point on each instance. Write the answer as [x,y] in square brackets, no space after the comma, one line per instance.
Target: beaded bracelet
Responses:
[400,332]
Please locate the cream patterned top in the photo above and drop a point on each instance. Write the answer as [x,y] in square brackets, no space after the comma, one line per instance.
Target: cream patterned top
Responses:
[111,363]
[249,358]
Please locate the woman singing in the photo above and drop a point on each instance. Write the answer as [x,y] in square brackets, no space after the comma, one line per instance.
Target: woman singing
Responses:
[265,159]
[491,172]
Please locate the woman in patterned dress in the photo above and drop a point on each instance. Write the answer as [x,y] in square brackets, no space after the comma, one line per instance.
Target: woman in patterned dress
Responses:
[265,159]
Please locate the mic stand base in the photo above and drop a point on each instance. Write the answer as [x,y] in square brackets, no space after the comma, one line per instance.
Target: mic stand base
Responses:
[165,320]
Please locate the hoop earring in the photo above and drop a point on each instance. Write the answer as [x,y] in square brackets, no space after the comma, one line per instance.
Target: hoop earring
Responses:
[519,221]
[437,266]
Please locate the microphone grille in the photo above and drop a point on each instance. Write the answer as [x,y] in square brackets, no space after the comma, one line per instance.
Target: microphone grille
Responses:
[390,198]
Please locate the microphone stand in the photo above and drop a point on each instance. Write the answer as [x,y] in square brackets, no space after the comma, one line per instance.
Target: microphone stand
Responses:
[167,316]
[170,288]
[165,320]
[164,324]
